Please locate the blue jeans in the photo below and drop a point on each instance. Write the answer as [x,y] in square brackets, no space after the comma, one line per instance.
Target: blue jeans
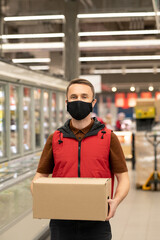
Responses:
[80,230]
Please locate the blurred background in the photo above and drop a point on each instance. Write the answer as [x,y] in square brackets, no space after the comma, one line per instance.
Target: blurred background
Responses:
[115,45]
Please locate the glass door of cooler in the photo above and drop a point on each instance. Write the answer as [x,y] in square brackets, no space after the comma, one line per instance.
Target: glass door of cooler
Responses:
[26,119]
[53,112]
[61,109]
[46,115]
[37,117]
[14,120]
[2,119]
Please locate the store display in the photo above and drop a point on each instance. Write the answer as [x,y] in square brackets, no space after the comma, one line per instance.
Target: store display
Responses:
[125,139]
[14,133]
[145,108]
[145,114]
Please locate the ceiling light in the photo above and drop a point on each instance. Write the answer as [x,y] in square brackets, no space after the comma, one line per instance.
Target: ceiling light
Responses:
[120,43]
[116,15]
[31,60]
[31,18]
[106,71]
[132,89]
[81,34]
[150,88]
[30,46]
[22,36]
[39,67]
[118,33]
[114,89]
[125,70]
[97,15]
[107,45]
[120,58]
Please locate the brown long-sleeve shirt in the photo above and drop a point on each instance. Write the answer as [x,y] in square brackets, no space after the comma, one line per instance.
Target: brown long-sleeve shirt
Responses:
[116,156]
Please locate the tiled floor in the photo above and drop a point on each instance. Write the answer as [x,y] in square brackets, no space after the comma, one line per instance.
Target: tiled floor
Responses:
[138,216]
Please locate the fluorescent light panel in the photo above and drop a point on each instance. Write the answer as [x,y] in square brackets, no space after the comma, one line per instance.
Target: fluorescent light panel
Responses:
[31,60]
[27,46]
[39,67]
[32,18]
[96,15]
[22,36]
[81,34]
[118,33]
[120,43]
[125,71]
[84,44]
[117,15]
[119,58]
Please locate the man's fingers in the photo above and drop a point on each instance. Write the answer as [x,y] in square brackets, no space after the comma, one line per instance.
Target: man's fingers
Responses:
[112,208]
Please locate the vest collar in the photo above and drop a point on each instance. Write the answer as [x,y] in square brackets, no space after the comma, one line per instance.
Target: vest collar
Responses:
[67,132]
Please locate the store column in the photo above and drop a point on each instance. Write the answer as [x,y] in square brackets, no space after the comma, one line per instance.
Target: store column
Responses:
[71,49]
[56,64]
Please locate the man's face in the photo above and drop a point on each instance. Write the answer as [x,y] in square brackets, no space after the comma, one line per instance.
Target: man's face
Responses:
[80,92]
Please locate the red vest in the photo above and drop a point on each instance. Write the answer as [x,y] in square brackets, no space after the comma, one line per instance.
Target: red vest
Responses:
[88,158]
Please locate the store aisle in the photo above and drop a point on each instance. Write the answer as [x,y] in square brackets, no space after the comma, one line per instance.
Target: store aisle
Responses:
[138,216]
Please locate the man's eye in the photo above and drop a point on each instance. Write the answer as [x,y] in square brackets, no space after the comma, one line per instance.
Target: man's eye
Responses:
[73,97]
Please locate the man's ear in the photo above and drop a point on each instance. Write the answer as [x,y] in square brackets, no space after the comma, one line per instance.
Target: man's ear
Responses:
[94,102]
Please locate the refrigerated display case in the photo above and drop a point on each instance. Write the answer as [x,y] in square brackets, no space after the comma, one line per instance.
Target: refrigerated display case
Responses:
[15,180]
[14,131]
[26,119]
[2,118]
[37,117]
[46,115]
[61,109]
[53,112]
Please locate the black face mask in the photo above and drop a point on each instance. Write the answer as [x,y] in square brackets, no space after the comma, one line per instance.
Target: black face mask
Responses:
[79,109]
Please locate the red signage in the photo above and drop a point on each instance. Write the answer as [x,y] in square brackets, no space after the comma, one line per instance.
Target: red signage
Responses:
[146,95]
[120,99]
[157,95]
[131,97]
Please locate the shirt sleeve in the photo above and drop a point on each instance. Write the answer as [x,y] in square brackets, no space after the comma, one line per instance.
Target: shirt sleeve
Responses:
[46,163]
[116,156]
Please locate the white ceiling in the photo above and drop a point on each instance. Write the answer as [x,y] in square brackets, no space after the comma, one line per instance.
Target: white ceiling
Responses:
[115,44]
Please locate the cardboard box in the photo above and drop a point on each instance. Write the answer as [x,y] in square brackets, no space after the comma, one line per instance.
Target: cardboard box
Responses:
[71,198]
[145,108]
[157,106]
[145,102]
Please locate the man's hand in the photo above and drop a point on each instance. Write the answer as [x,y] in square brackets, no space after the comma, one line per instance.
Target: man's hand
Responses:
[113,204]
[38,175]
[121,192]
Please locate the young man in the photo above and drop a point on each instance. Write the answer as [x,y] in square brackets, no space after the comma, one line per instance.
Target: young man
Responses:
[84,147]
